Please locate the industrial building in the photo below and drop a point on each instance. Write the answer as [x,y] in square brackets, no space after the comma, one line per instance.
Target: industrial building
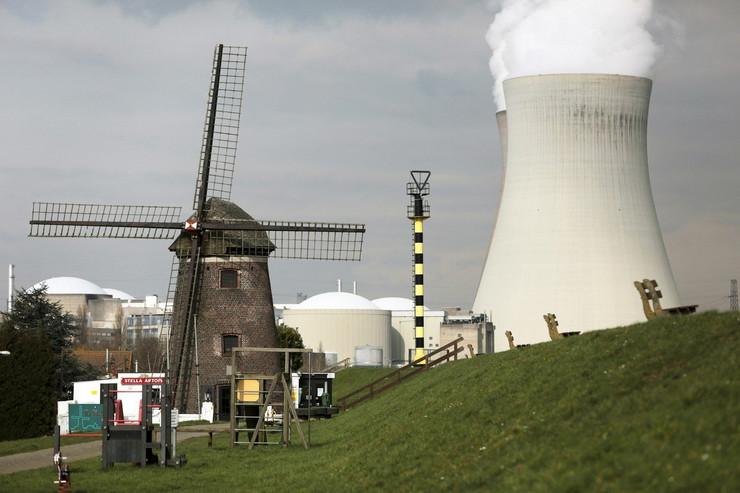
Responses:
[476,331]
[576,224]
[340,323]
[144,318]
[97,312]
[110,318]
[403,324]
[380,332]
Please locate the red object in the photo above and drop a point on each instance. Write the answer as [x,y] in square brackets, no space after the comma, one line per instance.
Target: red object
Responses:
[191,224]
[118,413]
[142,381]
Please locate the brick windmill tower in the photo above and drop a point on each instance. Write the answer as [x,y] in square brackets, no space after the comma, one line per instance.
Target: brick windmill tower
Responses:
[219,294]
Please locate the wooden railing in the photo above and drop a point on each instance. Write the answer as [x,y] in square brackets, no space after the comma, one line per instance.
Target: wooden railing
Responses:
[345,363]
[376,387]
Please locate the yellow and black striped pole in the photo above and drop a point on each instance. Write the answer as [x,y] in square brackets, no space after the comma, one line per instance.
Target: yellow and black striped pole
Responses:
[418,211]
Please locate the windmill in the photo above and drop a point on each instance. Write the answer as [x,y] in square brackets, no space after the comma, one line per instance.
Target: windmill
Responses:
[219,294]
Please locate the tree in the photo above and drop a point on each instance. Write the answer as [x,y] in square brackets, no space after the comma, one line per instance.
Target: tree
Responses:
[28,385]
[34,313]
[290,337]
[148,354]
[41,367]
[119,326]
[83,331]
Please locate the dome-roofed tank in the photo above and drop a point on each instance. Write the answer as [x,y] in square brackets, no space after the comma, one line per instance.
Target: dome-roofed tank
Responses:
[369,356]
[69,285]
[336,300]
[396,304]
[339,322]
[118,294]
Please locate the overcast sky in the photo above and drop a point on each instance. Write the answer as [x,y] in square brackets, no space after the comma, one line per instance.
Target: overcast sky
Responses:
[103,101]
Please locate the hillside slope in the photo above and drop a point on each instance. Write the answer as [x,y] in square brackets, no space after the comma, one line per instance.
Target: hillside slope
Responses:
[650,407]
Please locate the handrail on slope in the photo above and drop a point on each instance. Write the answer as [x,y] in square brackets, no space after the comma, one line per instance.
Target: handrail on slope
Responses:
[341,365]
[395,377]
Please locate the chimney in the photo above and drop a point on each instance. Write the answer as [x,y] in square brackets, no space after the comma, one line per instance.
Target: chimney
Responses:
[11,286]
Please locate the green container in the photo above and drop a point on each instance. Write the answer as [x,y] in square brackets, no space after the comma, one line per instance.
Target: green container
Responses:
[85,418]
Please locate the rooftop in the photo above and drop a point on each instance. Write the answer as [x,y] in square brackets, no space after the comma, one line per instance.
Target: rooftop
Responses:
[69,285]
[336,300]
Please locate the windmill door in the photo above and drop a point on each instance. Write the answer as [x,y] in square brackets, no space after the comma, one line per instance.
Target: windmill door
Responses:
[223,412]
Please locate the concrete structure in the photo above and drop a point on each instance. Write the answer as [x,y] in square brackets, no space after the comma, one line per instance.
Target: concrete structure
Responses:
[97,312]
[118,294]
[474,329]
[403,330]
[340,322]
[112,318]
[576,223]
[144,318]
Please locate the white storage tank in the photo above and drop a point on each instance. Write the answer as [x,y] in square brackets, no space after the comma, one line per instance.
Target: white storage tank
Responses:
[369,356]
[331,359]
[337,322]
[403,327]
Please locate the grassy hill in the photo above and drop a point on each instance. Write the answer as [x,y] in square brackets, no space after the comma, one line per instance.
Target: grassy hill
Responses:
[650,407]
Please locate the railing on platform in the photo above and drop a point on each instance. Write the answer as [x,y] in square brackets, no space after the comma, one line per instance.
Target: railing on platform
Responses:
[376,387]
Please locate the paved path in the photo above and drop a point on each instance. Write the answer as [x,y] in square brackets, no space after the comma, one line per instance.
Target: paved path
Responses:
[78,451]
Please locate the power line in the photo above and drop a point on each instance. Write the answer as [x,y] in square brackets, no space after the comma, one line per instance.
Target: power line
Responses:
[733,295]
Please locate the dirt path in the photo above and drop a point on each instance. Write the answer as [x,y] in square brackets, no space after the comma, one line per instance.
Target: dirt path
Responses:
[43,458]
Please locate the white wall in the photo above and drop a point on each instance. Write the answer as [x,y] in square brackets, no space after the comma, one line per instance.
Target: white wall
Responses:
[340,331]
[404,324]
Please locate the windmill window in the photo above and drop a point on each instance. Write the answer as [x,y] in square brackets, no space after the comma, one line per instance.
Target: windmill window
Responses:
[229,342]
[229,279]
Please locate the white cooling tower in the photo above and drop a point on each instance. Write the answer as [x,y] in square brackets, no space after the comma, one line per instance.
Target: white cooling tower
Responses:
[576,224]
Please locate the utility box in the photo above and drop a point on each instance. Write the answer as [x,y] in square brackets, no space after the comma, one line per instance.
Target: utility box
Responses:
[316,395]
[85,418]
[248,391]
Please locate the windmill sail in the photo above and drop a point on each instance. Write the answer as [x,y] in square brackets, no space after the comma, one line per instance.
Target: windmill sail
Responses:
[65,220]
[226,89]
[278,239]
[165,329]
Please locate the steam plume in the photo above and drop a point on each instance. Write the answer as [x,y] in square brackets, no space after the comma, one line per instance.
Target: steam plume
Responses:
[570,36]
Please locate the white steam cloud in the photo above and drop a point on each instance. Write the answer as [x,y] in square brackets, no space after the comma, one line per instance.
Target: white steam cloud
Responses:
[570,36]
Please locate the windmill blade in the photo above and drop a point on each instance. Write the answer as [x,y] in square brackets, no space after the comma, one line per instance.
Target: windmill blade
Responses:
[65,220]
[281,239]
[316,241]
[165,329]
[185,308]
[221,129]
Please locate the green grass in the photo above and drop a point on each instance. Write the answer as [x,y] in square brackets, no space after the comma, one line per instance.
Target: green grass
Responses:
[351,379]
[651,407]
[11,447]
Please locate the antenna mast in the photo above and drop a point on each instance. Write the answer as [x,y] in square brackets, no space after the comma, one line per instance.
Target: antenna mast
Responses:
[418,211]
